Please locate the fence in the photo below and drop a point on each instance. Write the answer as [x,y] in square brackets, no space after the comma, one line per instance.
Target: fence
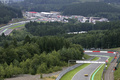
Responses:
[69,69]
[118,61]
[102,77]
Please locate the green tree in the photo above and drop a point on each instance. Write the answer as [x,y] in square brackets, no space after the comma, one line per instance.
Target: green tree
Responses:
[6,45]
[27,40]
[2,72]
[42,68]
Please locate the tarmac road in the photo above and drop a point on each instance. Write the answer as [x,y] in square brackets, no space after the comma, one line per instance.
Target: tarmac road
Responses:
[87,70]
[104,54]
[7,31]
[91,68]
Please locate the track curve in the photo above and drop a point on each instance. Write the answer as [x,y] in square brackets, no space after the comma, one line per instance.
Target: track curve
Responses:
[92,67]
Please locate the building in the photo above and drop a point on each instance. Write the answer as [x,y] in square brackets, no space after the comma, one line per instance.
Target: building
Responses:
[97,19]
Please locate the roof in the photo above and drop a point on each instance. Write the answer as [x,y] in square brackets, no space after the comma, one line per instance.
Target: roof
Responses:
[32,12]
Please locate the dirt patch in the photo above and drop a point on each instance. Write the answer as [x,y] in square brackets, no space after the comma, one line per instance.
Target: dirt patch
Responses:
[50,76]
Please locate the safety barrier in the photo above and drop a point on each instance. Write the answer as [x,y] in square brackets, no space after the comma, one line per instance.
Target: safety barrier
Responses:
[118,61]
[77,65]
[102,77]
[69,69]
[101,51]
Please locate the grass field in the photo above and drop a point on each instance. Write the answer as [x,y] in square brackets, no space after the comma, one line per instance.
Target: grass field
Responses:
[17,26]
[116,49]
[117,74]
[86,56]
[98,73]
[69,75]
[95,59]
[109,60]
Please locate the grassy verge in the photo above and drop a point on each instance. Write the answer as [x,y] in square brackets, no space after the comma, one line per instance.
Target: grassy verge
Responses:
[17,26]
[109,60]
[98,74]
[69,75]
[116,49]
[95,59]
[117,74]
[86,56]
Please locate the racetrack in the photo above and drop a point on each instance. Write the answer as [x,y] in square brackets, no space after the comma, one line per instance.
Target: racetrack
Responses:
[92,67]
[87,70]
[6,29]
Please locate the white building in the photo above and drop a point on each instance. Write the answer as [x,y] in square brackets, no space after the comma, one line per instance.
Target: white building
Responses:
[85,19]
[97,19]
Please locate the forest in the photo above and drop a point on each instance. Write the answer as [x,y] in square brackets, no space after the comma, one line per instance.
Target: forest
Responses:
[43,5]
[72,7]
[112,1]
[34,54]
[58,28]
[97,9]
[100,35]
[46,47]
[7,13]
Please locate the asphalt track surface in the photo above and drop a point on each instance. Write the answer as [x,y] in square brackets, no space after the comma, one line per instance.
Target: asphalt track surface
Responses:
[91,68]
[6,29]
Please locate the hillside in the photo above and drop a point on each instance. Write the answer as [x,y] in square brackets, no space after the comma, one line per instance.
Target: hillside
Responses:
[112,1]
[7,13]
[47,5]
[43,5]
[86,9]
[98,9]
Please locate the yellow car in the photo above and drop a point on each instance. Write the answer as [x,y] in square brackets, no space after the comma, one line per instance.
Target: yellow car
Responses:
[85,75]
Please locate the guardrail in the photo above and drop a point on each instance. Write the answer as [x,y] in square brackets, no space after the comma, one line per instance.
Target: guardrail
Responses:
[77,65]
[69,69]
[103,73]
[102,77]
[118,61]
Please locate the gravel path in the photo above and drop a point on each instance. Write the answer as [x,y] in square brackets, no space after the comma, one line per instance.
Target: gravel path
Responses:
[34,77]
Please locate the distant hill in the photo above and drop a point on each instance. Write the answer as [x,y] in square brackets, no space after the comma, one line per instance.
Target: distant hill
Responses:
[99,9]
[86,9]
[47,5]
[43,5]
[7,13]
[112,1]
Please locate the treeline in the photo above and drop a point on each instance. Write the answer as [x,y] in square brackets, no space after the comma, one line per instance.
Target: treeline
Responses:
[35,55]
[98,9]
[112,1]
[98,39]
[100,35]
[43,5]
[57,28]
[7,13]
